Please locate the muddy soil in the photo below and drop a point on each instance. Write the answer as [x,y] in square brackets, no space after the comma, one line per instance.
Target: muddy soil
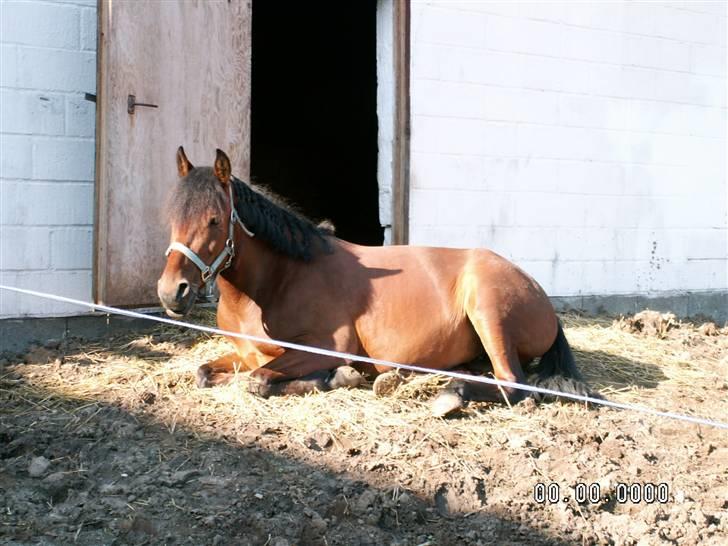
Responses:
[89,457]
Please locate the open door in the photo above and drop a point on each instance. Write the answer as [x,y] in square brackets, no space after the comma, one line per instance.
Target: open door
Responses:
[314,119]
[191,61]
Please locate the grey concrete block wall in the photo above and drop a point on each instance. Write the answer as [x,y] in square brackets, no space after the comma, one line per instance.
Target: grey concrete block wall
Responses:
[710,305]
[16,335]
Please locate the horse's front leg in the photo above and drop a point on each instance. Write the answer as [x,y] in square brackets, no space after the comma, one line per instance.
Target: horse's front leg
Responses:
[220,371]
[296,372]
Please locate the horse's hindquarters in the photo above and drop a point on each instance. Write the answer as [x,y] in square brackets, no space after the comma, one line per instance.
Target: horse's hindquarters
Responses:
[511,306]
[444,305]
[415,314]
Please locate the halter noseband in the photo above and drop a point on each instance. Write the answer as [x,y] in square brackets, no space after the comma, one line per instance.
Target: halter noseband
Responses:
[225,258]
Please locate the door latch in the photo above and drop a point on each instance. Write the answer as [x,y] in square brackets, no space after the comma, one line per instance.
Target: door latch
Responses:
[131,103]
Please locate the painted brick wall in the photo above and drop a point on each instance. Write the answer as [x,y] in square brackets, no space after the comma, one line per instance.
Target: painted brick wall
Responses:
[46,151]
[585,141]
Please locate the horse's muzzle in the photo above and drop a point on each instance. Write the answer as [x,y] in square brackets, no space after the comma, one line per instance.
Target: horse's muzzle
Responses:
[178,300]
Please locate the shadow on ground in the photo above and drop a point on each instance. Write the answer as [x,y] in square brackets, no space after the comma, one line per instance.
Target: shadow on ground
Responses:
[610,370]
[84,472]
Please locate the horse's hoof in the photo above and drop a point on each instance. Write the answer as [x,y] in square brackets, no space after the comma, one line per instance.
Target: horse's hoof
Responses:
[446,403]
[386,383]
[202,379]
[528,404]
[259,388]
[345,376]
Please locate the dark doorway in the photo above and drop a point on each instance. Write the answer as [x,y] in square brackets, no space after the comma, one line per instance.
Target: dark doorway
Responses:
[314,112]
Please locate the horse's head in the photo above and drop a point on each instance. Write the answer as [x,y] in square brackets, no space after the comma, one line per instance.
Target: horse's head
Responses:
[202,222]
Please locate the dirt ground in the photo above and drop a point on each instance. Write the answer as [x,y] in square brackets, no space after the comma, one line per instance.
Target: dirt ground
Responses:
[110,443]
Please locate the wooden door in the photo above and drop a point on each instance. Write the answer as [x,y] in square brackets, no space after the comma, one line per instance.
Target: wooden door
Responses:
[191,58]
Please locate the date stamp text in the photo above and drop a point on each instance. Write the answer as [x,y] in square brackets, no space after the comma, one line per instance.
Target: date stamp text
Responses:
[591,493]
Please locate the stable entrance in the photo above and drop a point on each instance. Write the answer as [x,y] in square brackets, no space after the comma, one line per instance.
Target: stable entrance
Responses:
[314,111]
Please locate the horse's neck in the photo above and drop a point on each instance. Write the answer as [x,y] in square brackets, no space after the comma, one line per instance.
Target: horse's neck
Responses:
[257,273]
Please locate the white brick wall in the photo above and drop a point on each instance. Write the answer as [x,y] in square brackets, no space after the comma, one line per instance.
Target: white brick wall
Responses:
[385,113]
[585,141]
[48,61]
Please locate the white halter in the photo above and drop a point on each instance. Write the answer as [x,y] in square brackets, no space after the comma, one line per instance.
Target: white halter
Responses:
[225,258]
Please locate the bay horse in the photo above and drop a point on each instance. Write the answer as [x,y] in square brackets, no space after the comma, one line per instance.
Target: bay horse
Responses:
[282,277]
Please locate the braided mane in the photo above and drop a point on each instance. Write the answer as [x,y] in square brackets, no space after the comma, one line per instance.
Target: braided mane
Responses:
[264,213]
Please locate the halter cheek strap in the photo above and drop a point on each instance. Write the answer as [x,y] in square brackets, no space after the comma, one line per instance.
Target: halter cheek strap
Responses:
[206,271]
[225,258]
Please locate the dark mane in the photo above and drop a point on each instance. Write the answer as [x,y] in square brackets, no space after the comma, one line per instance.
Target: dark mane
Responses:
[272,220]
[264,213]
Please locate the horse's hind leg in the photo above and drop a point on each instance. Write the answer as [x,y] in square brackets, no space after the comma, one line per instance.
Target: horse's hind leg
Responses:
[460,391]
[506,367]
[504,358]
[451,399]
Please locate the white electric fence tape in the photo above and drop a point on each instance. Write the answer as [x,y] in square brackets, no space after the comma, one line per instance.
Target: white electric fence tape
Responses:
[368,360]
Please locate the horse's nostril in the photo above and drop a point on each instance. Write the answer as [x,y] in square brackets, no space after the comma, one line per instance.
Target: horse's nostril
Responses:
[182,290]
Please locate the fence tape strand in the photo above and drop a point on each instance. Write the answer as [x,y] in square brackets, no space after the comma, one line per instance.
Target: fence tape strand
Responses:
[368,360]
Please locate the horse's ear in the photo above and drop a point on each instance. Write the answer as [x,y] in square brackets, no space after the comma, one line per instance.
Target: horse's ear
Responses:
[183,164]
[222,167]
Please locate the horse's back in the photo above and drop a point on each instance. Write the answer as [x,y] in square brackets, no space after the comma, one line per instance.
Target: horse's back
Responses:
[457,273]
[420,301]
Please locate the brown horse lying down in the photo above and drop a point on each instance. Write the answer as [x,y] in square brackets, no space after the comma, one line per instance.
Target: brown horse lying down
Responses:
[282,277]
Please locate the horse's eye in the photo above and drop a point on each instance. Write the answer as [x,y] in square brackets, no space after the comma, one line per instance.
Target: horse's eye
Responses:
[214,221]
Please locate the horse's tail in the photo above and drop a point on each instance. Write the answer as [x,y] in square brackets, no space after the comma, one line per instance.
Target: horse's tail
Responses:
[557,370]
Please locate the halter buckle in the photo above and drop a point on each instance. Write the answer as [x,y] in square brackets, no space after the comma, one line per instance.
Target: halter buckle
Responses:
[206,274]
